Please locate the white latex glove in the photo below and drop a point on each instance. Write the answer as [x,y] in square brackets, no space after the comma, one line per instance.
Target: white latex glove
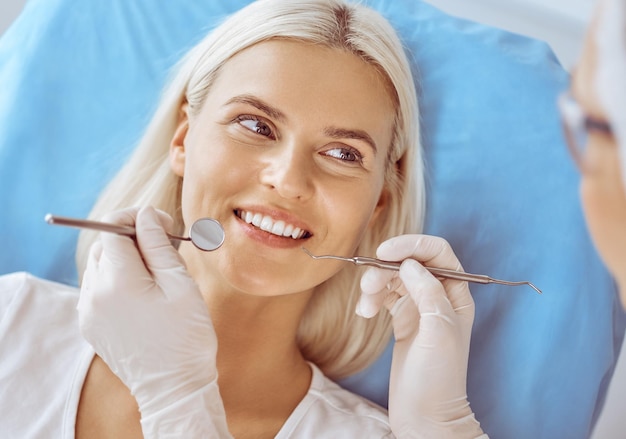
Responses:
[145,317]
[432,322]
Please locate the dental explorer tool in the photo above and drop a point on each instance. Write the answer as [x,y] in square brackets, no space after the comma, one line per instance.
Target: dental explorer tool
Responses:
[438,272]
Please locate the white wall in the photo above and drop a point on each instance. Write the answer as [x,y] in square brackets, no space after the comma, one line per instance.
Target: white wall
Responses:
[561,23]
[9,9]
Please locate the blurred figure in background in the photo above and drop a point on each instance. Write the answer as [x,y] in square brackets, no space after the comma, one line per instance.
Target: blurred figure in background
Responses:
[594,116]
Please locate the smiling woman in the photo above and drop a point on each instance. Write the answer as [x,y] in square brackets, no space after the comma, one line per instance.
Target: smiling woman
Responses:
[294,123]
[242,79]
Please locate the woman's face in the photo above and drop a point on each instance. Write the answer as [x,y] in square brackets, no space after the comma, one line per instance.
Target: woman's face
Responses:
[602,190]
[288,151]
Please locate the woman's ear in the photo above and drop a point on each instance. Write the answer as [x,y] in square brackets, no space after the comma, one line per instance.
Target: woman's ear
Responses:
[177,145]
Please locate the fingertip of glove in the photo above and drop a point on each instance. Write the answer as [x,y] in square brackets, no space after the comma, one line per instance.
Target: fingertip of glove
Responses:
[365,309]
[149,226]
[358,311]
[95,250]
[374,279]
[149,216]
[411,270]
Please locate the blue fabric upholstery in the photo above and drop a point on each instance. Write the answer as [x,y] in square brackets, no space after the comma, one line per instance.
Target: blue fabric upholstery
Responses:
[79,80]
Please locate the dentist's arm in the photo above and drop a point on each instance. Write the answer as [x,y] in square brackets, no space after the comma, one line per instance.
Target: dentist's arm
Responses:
[145,317]
[432,322]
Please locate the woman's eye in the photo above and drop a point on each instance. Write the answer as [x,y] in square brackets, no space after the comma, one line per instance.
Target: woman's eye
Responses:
[255,125]
[346,154]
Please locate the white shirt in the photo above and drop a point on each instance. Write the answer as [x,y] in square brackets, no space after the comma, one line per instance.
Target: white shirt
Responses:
[44,361]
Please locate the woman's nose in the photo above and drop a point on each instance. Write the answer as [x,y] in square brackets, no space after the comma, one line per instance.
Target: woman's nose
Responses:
[289,173]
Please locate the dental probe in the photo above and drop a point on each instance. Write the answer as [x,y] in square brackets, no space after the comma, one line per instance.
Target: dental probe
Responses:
[438,272]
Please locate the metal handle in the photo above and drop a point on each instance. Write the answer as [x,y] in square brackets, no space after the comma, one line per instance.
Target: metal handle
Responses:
[440,272]
[97,225]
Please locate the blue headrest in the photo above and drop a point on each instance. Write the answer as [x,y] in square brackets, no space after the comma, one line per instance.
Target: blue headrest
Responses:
[80,80]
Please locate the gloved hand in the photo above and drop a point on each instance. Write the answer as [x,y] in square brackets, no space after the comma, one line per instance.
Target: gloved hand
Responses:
[145,317]
[432,322]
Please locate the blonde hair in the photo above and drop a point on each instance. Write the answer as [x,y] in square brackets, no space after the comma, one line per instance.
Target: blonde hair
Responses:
[330,334]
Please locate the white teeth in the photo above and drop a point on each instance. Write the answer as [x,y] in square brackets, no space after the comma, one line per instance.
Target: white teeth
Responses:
[278,227]
[288,230]
[268,224]
[256,219]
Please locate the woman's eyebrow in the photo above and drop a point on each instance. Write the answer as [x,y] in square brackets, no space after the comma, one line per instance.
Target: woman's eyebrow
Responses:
[248,99]
[344,133]
[275,113]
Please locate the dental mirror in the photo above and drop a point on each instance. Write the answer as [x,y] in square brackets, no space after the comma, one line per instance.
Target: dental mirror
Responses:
[207,234]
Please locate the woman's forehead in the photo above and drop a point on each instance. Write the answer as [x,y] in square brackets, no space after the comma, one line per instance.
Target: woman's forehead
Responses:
[296,77]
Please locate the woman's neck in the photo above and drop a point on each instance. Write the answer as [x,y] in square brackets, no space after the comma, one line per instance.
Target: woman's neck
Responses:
[252,329]
[262,374]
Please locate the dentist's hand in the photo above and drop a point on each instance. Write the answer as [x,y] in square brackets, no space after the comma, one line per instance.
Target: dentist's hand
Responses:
[145,317]
[432,322]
